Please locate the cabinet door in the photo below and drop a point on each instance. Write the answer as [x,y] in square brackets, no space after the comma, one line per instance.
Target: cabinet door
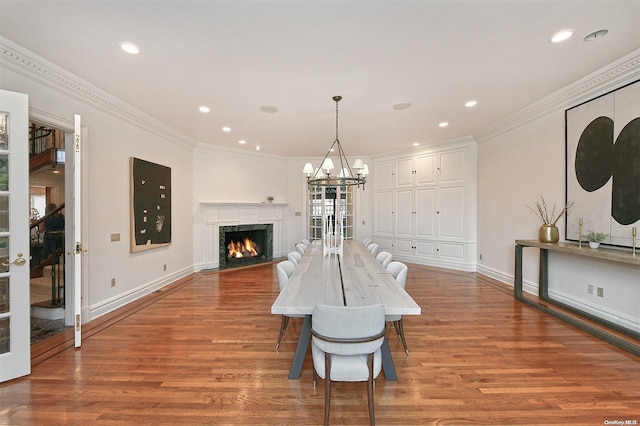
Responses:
[404,213]
[404,247]
[383,173]
[383,213]
[426,170]
[453,166]
[451,251]
[404,172]
[425,207]
[451,212]
[426,248]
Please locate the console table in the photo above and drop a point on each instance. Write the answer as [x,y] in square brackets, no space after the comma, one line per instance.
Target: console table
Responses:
[610,332]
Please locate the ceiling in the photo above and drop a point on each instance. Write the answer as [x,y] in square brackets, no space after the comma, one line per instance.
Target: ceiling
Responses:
[238,56]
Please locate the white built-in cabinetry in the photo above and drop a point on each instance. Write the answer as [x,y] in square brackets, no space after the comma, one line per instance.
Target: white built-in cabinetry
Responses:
[425,205]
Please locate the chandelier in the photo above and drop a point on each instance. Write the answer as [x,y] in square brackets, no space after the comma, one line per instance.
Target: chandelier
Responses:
[346,176]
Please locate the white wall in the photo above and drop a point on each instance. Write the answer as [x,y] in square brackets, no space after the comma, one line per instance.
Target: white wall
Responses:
[516,168]
[105,189]
[257,175]
[234,176]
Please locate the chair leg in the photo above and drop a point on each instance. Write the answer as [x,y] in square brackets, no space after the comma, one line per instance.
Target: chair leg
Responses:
[397,328]
[283,328]
[401,334]
[370,390]
[315,377]
[327,387]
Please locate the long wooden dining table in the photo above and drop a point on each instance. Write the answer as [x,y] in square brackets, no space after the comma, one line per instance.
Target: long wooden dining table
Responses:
[354,279]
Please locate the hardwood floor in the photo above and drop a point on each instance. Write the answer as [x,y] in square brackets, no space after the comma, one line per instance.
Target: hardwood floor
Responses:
[202,352]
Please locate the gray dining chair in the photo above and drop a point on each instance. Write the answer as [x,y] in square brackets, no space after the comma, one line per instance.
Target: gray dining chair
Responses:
[373,248]
[284,269]
[384,257]
[345,347]
[301,248]
[294,257]
[398,270]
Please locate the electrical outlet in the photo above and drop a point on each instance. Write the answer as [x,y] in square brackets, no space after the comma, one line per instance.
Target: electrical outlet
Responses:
[480,256]
[590,288]
[600,292]
[164,267]
[113,282]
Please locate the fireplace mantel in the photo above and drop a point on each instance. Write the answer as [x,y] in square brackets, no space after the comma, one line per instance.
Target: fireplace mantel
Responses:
[224,214]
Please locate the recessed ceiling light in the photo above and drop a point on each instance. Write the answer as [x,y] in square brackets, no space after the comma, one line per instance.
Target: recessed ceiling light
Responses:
[443,124]
[242,141]
[596,35]
[204,109]
[226,129]
[269,109]
[416,144]
[257,147]
[130,48]
[402,106]
[561,36]
[471,104]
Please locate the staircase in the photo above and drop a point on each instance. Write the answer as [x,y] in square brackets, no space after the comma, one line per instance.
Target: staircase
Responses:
[47,286]
[43,305]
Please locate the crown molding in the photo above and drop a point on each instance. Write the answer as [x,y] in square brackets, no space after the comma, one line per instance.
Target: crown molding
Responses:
[205,148]
[610,77]
[38,69]
[427,148]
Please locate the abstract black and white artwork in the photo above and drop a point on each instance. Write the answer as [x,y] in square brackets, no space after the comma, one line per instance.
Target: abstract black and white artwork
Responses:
[603,165]
[150,205]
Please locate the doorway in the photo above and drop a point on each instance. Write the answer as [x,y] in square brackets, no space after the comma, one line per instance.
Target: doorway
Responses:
[47,199]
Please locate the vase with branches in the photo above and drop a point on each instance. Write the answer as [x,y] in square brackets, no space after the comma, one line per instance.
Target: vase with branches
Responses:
[548,232]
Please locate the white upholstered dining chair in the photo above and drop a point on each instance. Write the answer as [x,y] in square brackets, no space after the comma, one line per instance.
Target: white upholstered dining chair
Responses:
[301,248]
[345,347]
[384,257]
[373,248]
[284,269]
[294,257]
[399,271]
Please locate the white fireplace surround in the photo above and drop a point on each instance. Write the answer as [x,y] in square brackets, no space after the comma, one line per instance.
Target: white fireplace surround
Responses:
[230,214]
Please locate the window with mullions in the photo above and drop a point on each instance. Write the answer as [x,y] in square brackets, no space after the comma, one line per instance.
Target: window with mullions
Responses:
[328,203]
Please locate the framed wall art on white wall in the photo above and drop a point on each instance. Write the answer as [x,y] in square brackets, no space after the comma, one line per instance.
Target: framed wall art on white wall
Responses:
[150,205]
[603,165]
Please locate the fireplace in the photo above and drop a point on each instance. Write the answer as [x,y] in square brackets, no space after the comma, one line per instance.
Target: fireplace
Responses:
[243,245]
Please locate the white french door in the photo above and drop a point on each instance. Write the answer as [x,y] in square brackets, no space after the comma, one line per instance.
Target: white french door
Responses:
[77,250]
[15,338]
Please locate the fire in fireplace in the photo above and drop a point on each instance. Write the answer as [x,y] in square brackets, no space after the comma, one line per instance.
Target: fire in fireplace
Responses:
[245,248]
[242,245]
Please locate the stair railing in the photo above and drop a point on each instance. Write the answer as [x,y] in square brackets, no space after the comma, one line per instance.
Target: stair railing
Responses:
[57,257]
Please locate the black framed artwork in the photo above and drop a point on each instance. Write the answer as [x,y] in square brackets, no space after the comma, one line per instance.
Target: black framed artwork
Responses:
[150,205]
[603,166]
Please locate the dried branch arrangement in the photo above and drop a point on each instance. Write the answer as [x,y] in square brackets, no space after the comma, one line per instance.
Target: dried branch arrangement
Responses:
[542,212]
